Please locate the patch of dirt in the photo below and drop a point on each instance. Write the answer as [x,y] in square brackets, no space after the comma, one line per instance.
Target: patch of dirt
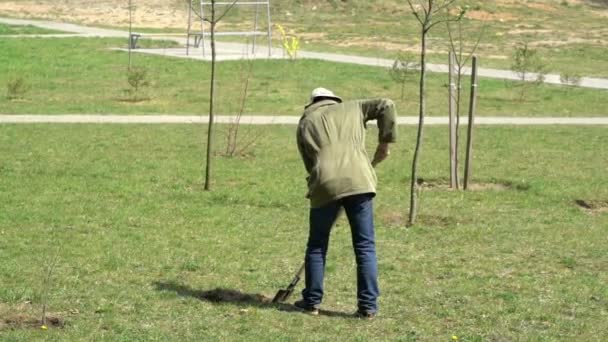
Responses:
[220,295]
[487,16]
[393,218]
[22,321]
[603,14]
[566,41]
[526,31]
[26,316]
[377,43]
[154,14]
[542,7]
[443,184]
[399,219]
[593,206]
[488,186]
[314,36]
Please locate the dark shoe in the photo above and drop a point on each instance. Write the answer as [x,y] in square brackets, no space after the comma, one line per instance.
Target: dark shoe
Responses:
[309,309]
[368,315]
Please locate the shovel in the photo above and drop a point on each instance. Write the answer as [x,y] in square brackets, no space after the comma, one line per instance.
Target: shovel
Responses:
[283,294]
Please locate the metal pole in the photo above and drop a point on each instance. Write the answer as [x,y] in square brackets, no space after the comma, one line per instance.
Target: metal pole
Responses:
[452,126]
[269,30]
[255,27]
[202,40]
[472,105]
[189,27]
[130,31]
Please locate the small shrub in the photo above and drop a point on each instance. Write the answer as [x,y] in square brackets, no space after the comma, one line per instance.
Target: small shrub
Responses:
[570,79]
[137,79]
[403,70]
[16,88]
[527,61]
[291,44]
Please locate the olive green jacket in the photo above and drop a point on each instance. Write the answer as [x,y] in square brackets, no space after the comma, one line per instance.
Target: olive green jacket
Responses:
[331,141]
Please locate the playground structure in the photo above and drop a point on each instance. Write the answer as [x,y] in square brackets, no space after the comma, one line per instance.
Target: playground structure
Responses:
[197,37]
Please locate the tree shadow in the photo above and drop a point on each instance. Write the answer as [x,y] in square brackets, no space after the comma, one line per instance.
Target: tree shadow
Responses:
[235,297]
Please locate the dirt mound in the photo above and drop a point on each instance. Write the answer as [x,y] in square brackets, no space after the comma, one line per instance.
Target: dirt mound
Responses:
[28,316]
[443,184]
[23,321]
[593,206]
[399,220]
[220,295]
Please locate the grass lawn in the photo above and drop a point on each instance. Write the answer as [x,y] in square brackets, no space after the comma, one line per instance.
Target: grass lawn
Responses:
[82,76]
[19,29]
[385,27]
[140,249]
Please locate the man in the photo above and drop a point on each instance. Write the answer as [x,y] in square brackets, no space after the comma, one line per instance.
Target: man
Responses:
[331,141]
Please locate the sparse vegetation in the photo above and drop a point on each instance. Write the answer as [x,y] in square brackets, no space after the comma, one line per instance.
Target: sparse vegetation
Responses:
[403,71]
[570,78]
[16,88]
[146,249]
[50,264]
[137,78]
[149,257]
[290,43]
[279,87]
[529,66]
[240,140]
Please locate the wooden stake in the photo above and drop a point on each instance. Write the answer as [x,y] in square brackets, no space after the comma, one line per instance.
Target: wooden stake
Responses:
[472,105]
[452,126]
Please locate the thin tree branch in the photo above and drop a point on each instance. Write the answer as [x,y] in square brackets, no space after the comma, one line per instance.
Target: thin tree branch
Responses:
[476,45]
[446,4]
[441,22]
[451,38]
[200,16]
[416,14]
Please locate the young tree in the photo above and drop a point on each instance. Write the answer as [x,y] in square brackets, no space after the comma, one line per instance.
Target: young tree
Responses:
[213,21]
[457,44]
[238,141]
[402,71]
[428,13]
[526,61]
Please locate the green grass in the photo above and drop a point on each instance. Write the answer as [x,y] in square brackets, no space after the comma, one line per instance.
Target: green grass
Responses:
[138,241]
[75,75]
[382,28]
[28,29]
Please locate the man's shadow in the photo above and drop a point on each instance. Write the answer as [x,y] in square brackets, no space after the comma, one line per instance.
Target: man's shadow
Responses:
[235,297]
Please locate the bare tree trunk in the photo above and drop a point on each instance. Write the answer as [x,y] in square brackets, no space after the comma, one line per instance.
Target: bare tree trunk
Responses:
[422,111]
[452,125]
[211,102]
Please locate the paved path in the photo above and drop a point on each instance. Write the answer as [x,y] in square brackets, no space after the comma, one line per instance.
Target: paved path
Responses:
[276,120]
[237,51]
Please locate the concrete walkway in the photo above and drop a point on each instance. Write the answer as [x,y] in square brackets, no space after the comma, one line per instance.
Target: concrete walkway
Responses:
[276,120]
[237,51]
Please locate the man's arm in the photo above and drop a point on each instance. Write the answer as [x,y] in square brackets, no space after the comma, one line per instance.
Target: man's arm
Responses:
[383,111]
[382,152]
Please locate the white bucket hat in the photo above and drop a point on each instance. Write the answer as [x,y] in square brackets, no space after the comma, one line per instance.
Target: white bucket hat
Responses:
[322,92]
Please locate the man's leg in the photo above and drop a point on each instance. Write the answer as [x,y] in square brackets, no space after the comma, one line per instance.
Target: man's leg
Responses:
[321,221]
[360,212]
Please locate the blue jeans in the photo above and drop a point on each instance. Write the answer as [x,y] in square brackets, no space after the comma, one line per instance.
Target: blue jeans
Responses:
[359,210]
